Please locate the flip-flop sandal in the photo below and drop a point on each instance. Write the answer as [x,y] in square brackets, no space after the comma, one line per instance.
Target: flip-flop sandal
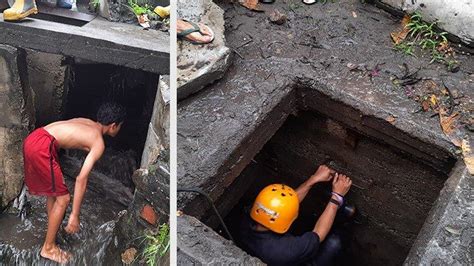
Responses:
[310,2]
[196,28]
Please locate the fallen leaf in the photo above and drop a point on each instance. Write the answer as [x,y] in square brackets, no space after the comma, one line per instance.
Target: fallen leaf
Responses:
[354,14]
[468,154]
[455,230]
[450,126]
[425,105]
[250,4]
[129,256]
[433,100]
[277,17]
[391,119]
[399,36]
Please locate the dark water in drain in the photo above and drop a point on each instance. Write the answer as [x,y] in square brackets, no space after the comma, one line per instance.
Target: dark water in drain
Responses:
[21,239]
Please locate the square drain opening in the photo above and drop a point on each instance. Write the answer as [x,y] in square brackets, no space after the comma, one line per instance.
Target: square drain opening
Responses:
[393,189]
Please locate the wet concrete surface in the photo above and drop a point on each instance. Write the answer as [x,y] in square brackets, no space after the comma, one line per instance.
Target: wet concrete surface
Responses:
[105,198]
[99,41]
[212,124]
[222,128]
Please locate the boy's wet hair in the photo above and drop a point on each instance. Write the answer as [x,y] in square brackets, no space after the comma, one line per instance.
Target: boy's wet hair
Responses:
[111,112]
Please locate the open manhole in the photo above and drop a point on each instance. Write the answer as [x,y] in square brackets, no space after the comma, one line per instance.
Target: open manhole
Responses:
[397,178]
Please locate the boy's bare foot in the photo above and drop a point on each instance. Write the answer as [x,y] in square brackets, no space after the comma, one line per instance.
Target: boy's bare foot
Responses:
[55,254]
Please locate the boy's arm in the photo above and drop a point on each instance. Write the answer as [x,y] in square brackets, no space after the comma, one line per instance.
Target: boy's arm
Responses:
[80,186]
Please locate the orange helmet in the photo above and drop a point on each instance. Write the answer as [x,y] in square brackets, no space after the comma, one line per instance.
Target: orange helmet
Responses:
[276,207]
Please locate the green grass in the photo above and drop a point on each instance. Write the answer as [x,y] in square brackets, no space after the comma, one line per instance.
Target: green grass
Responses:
[95,3]
[139,8]
[424,36]
[157,244]
[406,47]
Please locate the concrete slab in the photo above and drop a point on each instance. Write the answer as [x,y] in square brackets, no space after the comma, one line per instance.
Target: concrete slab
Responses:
[208,248]
[200,65]
[100,41]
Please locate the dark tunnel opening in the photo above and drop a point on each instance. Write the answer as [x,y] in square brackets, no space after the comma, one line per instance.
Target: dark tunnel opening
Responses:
[93,84]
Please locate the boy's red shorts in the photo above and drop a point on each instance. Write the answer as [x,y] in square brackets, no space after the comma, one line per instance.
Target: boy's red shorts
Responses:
[43,174]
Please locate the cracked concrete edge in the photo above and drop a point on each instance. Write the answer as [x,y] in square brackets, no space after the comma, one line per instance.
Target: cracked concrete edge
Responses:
[233,162]
[446,237]
[199,244]
[200,65]
[456,17]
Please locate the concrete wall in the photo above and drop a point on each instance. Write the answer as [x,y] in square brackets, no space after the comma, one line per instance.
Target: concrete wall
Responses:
[158,130]
[16,119]
[150,205]
[48,78]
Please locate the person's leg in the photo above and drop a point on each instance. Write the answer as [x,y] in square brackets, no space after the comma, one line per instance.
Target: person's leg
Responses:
[49,204]
[329,250]
[50,250]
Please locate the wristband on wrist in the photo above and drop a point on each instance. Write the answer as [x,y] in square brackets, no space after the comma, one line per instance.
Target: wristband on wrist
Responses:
[339,198]
[335,202]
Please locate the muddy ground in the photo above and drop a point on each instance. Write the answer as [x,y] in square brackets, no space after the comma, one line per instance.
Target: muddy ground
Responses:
[330,36]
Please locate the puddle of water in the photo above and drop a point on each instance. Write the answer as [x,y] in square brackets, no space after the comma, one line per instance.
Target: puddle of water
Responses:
[21,239]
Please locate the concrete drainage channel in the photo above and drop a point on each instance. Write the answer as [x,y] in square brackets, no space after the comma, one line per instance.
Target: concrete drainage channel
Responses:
[121,202]
[397,180]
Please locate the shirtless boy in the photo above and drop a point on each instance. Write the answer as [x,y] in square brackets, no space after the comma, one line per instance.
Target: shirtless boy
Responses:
[43,174]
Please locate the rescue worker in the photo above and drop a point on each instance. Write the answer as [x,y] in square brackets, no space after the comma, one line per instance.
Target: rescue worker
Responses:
[264,233]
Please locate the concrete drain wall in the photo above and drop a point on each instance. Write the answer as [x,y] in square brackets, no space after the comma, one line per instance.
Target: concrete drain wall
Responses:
[395,184]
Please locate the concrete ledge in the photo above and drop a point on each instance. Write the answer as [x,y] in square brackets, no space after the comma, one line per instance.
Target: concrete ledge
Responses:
[200,245]
[447,234]
[100,41]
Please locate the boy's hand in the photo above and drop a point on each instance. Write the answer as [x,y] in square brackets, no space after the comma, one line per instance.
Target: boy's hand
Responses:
[341,184]
[323,174]
[73,225]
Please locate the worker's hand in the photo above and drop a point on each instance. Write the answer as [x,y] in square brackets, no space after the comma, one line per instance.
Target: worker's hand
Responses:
[341,184]
[73,225]
[323,174]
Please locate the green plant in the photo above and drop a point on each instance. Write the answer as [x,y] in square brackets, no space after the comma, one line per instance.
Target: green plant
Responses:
[424,36]
[139,8]
[452,64]
[406,48]
[157,244]
[95,4]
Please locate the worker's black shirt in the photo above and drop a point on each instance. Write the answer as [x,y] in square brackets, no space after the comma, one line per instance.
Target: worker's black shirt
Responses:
[278,249]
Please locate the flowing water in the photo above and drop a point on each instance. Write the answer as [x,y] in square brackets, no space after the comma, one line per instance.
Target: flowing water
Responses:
[21,236]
